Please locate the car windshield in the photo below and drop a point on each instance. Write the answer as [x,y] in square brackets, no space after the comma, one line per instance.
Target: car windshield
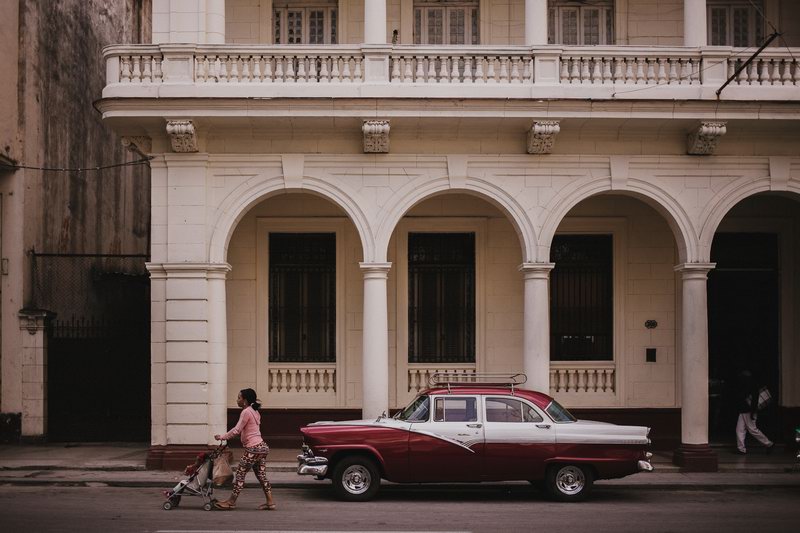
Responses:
[417,411]
[559,413]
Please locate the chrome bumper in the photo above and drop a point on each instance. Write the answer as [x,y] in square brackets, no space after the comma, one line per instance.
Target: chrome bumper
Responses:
[310,465]
[644,465]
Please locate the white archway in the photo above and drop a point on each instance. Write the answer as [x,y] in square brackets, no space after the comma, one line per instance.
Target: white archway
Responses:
[241,199]
[424,188]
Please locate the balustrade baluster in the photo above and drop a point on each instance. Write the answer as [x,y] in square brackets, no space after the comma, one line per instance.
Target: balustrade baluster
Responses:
[324,73]
[527,75]
[787,72]
[347,74]
[744,77]
[565,70]
[278,69]
[455,75]
[235,78]
[479,77]
[136,73]
[674,77]
[290,74]
[572,385]
[302,73]
[640,75]
[395,69]
[468,70]
[125,71]
[515,78]
[776,71]
[431,76]
[247,76]
[157,74]
[503,70]
[408,76]
[765,73]
[147,74]
[608,77]
[662,71]
[257,68]
[444,75]
[418,68]
[585,75]
[490,72]
[597,73]
[358,73]
[651,71]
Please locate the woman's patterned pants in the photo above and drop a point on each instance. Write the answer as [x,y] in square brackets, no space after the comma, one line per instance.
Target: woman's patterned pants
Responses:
[254,457]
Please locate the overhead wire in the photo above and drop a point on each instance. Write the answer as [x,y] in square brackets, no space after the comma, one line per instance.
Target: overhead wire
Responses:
[143,161]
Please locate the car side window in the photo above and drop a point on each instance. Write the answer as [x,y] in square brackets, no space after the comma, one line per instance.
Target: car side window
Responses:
[509,410]
[455,409]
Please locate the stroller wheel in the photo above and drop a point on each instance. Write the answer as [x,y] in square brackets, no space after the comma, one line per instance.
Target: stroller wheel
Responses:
[167,505]
[208,507]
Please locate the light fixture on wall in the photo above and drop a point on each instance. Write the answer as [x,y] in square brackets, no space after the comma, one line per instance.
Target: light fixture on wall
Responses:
[650,324]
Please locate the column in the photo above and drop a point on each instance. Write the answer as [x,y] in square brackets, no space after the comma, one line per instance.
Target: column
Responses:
[375,21]
[215,21]
[536,324]
[535,22]
[375,360]
[217,351]
[33,323]
[694,453]
[694,23]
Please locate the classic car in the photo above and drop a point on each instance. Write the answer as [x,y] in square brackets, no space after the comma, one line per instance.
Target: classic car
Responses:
[472,432]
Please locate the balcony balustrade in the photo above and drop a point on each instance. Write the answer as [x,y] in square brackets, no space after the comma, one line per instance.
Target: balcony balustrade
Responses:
[377,71]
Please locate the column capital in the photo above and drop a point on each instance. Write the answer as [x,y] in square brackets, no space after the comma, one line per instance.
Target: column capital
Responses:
[694,270]
[536,270]
[375,270]
[188,270]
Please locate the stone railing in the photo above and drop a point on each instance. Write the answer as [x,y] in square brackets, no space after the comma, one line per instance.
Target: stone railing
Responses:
[596,377]
[377,71]
[316,378]
[418,375]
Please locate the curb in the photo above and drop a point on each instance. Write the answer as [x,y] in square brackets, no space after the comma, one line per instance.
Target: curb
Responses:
[314,485]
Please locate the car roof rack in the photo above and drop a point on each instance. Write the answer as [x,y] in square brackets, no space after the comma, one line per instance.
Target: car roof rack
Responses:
[459,379]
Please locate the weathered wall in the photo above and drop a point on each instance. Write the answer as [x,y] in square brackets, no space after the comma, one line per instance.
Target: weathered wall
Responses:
[87,212]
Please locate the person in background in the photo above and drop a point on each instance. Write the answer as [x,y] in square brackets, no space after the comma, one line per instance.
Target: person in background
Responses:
[255,451]
[747,404]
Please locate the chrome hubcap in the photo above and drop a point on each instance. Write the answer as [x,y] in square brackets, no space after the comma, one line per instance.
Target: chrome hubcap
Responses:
[570,480]
[356,479]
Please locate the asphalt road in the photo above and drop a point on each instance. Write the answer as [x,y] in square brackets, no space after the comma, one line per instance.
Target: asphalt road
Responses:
[404,508]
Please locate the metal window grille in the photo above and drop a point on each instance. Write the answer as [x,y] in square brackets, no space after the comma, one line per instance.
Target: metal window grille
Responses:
[581,298]
[302,297]
[441,298]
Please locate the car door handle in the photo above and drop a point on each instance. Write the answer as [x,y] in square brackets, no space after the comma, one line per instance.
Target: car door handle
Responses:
[543,426]
[474,425]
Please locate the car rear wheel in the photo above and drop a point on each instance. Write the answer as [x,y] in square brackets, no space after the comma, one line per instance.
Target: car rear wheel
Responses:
[569,483]
[356,479]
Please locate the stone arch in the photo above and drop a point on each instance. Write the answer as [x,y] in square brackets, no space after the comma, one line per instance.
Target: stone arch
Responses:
[722,203]
[657,198]
[240,200]
[424,188]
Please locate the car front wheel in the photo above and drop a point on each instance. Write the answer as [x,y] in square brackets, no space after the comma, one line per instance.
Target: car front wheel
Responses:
[356,479]
[569,483]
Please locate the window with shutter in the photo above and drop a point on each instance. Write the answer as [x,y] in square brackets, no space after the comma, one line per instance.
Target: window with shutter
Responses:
[581,298]
[585,22]
[302,297]
[735,23]
[441,297]
[304,22]
[446,22]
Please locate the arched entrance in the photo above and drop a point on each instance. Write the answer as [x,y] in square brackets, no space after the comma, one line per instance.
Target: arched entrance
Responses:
[293,295]
[752,309]
[457,303]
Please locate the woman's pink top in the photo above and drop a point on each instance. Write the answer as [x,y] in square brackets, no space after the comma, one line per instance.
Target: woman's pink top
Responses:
[248,427]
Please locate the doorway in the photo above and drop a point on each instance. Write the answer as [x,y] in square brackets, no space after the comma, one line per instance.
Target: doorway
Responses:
[743,326]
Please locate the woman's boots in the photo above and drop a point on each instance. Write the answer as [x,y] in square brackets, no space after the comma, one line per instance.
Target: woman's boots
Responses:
[270,504]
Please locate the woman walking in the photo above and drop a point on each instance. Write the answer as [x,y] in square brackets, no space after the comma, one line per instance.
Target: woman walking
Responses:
[255,450]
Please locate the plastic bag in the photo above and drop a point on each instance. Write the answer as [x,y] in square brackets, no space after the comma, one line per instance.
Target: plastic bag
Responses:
[222,474]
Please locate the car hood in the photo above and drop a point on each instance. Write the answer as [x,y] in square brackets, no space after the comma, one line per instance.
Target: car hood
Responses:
[371,422]
[593,432]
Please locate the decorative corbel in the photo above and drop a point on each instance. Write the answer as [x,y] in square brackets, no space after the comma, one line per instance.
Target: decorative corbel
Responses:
[542,136]
[376,136]
[140,145]
[182,135]
[704,140]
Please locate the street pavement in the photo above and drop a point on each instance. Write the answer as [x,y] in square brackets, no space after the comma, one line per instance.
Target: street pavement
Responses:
[123,465]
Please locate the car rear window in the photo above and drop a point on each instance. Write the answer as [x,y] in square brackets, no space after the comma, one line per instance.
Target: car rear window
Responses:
[456,409]
[510,410]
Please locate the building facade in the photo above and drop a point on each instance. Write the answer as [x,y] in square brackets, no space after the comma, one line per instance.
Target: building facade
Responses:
[350,196]
[73,242]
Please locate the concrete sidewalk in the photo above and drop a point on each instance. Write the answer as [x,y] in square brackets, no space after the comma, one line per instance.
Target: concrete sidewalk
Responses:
[122,465]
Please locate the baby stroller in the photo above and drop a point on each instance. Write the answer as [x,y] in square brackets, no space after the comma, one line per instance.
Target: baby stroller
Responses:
[199,483]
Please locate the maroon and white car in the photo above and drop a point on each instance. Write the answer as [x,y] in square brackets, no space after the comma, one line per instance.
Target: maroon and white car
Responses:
[461,432]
